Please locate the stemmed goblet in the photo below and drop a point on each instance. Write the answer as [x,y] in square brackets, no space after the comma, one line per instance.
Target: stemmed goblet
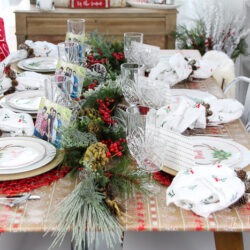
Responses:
[129,80]
[130,37]
[141,141]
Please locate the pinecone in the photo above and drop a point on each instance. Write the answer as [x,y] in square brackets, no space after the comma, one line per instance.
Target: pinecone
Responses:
[11,74]
[242,201]
[241,174]
[10,91]
[207,107]
[90,112]
[95,128]
[31,53]
[247,183]
[14,83]
[96,153]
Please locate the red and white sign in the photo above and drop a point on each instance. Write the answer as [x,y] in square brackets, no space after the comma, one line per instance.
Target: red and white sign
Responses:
[89,3]
[4,49]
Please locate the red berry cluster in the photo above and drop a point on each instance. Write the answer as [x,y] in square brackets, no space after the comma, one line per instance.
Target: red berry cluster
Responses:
[118,56]
[93,85]
[115,147]
[104,111]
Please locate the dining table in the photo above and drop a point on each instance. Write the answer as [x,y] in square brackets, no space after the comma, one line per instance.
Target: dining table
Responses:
[149,213]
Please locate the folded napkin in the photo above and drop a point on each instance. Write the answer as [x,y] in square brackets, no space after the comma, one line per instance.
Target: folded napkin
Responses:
[180,114]
[173,69]
[30,80]
[225,110]
[205,189]
[5,84]
[16,123]
[43,48]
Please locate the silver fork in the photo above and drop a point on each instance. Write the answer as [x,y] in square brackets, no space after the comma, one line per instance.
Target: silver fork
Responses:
[11,202]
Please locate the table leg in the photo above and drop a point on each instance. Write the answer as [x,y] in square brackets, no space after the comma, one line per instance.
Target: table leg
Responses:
[228,241]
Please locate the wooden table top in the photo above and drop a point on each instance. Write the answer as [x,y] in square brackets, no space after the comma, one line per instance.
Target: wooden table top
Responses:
[150,214]
[111,11]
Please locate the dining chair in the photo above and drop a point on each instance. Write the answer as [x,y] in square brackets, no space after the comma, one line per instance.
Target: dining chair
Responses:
[245,81]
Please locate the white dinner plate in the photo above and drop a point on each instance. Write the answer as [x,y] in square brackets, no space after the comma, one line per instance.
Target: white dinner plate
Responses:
[196,95]
[210,151]
[38,64]
[19,153]
[26,100]
[153,5]
[50,153]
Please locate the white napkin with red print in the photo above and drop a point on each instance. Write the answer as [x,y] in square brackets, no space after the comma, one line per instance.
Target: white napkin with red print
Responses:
[171,70]
[16,123]
[205,189]
[180,114]
[225,110]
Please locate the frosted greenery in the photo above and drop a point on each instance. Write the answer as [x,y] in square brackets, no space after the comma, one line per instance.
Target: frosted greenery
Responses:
[85,209]
[72,137]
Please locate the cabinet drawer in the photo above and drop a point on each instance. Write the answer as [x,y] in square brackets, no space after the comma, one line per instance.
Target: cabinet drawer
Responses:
[114,26]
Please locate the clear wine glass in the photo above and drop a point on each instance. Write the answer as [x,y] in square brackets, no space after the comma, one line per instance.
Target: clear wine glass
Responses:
[129,79]
[129,37]
[153,93]
[68,52]
[141,122]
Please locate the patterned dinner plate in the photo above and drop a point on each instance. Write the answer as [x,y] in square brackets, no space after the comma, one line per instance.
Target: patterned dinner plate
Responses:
[38,64]
[50,154]
[19,153]
[26,100]
[209,151]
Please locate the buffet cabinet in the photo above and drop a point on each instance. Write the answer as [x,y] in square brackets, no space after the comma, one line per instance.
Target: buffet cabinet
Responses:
[51,26]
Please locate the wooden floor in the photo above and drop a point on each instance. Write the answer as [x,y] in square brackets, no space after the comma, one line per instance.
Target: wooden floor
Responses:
[6,12]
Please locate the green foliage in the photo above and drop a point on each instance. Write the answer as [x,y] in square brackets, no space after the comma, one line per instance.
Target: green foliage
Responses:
[241,49]
[127,178]
[110,91]
[193,38]
[73,138]
[85,209]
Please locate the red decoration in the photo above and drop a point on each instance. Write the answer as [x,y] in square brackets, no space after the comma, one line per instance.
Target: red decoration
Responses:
[31,183]
[4,49]
[163,178]
[89,3]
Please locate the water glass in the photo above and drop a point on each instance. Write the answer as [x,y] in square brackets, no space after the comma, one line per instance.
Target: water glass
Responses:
[76,26]
[68,52]
[128,39]
[129,79]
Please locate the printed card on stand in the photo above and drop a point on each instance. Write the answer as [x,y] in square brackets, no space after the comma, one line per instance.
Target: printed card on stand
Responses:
[51,120]
[70,72]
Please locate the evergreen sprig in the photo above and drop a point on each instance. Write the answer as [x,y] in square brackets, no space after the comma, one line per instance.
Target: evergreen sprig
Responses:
[86,211]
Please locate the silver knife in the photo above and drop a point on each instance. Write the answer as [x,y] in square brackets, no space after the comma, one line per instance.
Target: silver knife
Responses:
[32,197]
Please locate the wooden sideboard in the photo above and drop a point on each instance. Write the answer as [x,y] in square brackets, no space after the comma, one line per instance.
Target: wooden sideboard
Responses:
[51,26]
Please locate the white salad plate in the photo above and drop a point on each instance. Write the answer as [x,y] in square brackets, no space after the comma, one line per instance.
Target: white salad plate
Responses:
[210,151]
[26,100]
[38,64]
[50,153]
[19,153]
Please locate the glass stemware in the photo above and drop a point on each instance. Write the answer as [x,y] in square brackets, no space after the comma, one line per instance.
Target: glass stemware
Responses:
[59,90]
[68,52]
[153,93]
[76,26]
[141,141]
[129,79]
[130,37]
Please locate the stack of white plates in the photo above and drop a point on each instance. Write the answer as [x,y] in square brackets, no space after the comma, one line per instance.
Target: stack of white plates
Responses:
[25,102]
[22,154]
[38,64]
